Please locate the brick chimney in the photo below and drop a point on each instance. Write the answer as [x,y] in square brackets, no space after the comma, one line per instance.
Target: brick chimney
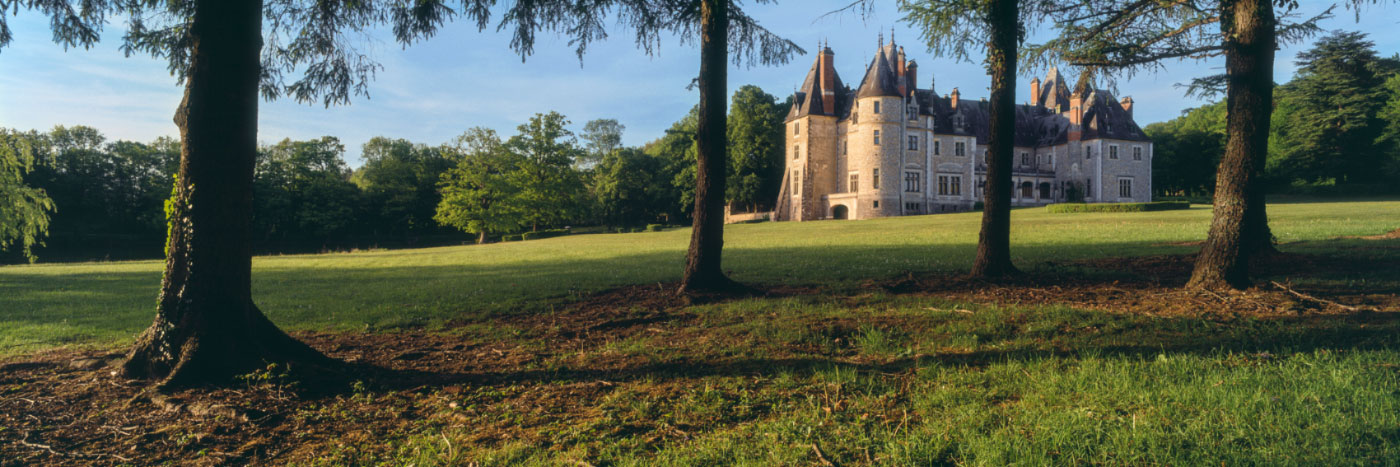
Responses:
[912,73]
[1076,116]
[900,68]
[1128,105]
[828,80]
[953,98]
[1035,91]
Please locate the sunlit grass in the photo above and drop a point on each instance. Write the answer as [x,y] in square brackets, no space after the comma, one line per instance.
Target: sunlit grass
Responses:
[106,303]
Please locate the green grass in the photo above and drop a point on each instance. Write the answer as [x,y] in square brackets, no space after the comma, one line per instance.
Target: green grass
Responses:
[102,304]
[869,376]
[1064,208]
[762,380]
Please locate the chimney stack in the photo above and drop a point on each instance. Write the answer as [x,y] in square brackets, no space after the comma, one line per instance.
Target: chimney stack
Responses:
[953,99]
[913,75]
[1035,91]
[1128,105]
[828,80]
[900,67]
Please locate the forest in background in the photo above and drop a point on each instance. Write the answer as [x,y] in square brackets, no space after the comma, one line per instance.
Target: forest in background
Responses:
[110,197]
[1335,129]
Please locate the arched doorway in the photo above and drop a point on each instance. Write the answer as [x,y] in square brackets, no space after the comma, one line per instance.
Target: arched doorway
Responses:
[1044,190]
[839,211]
[1027,190]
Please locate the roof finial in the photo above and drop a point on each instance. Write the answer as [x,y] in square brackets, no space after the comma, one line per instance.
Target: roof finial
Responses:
[891,35]
[882,39]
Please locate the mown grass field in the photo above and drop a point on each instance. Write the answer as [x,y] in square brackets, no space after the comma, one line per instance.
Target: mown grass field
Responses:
[107,303]
[839,371]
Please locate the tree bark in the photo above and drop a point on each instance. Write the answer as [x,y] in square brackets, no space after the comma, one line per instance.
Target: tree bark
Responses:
[481,237]
[994,243]
[207,329]
[1235,230]
[702,260]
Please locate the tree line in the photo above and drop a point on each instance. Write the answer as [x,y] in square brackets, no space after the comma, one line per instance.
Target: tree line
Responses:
[1335,128]
[108,198]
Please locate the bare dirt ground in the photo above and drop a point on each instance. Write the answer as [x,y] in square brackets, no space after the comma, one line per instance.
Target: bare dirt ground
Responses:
[69,407]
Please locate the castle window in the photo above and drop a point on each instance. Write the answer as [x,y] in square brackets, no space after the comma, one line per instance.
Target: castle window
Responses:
[1125,188]
[911,182]
[1137,153]
[913,143]
[796,151]
[955,185]
[876,203]
[797,128]
[942,185]
[875,179]
[854,183]
[794,182]
[937,147]
[959,148]
[913,112]
[1088,152]
[1025,158]
[877,107]
[844,147]
[1113,151]
[911,208]
[877,137]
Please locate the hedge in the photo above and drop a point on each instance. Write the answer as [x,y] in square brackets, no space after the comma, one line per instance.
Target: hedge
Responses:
[543,234]
[655,227]
[1117,207]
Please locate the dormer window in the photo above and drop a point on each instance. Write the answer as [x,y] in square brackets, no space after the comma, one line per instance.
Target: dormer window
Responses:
[913,112]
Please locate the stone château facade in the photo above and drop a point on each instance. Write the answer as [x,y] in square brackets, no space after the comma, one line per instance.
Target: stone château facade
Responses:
[888,148]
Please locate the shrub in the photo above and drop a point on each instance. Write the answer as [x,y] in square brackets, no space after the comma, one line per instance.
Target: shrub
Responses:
[544,234]
[977,206]
[510,238]
[655,227]
[1117,207]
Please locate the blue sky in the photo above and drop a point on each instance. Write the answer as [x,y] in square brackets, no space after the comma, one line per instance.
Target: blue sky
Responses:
[463,78]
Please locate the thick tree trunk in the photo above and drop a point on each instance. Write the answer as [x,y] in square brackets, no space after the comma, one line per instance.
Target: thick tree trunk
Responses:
[481,237]
[702,261]
[994,243]
[1235,231]
[207,329]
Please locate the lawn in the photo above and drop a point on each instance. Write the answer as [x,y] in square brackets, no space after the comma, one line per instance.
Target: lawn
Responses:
[47,305]
[513,354]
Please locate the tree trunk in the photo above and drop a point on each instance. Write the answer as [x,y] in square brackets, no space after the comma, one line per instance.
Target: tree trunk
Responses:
[994,243]
[1235,231]
[481,237]
[1261,238]
[207,329]
[702,261]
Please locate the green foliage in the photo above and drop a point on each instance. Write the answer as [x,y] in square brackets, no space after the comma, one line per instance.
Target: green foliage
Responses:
[399,179]
[528,180]
[479,194]
[1333,128]
[550,233]
[1329,117]
[632,186]
[24,210]
[655,227]
[755,134]
[678,149]
[302,193]
[604,136]
[1061,208]
[549,190]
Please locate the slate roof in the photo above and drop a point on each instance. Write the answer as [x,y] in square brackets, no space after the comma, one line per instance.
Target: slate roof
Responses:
[1043,123]
[881,78]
